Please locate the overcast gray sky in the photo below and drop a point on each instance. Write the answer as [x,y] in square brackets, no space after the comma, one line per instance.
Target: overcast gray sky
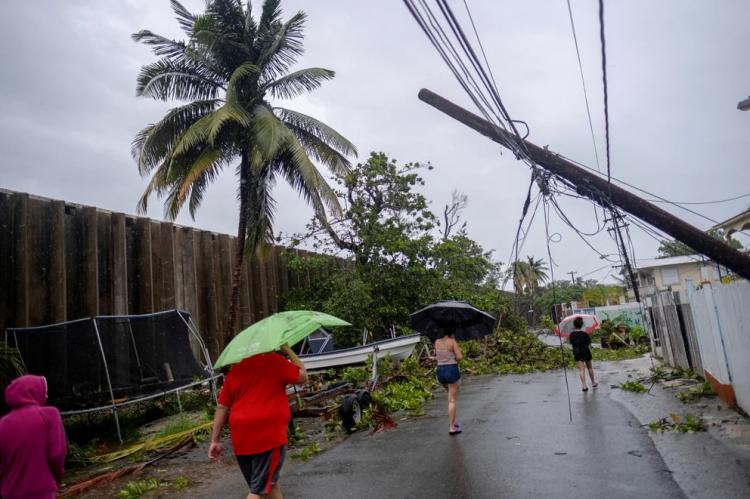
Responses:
[676,72]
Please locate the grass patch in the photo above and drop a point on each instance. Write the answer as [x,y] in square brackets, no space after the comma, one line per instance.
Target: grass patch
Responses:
[179,425]
[633,386]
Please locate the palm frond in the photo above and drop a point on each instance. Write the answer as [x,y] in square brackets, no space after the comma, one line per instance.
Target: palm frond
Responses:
[298,83]
[230,112]
[243,71]
[230,15]
[177,79]
[321,152]
[270,13]
[260,209]
[209,159]
[157,185]
[269,135]
[160,45]
[194,137]
[251,27]
[309,176]
[152,144]
[280,47]
[204,172]
[318,129]
[185,18]
[311,195]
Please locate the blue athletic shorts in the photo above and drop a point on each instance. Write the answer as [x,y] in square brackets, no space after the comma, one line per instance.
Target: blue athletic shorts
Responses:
[448,374]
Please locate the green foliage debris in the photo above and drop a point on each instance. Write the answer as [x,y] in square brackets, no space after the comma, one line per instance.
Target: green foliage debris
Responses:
[133,490]
[633,386]
[682,424]
[696,392]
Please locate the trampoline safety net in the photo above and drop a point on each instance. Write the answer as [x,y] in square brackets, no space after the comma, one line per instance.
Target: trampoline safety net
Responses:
[143,354]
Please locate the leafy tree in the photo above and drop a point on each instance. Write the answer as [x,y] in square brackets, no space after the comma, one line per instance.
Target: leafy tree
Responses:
[227,71]
[602,294]
[397,259]
[671,248]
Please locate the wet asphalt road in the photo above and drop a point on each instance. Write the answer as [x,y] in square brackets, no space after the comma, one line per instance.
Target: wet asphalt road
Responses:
[517,442]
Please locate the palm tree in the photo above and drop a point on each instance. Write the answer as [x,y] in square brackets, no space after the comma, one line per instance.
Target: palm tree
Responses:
[536,273]
[527,275]
[518,271]
[226,71]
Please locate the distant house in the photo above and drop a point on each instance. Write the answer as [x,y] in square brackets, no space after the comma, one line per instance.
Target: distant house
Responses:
[734,224]
[673,273]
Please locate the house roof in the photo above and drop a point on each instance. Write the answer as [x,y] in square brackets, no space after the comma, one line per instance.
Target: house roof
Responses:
[734,219]
[652,263]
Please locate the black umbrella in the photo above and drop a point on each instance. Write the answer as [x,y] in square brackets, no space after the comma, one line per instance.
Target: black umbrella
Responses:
[460,318]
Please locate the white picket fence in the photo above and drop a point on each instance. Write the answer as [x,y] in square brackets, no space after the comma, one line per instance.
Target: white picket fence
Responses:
[721,315]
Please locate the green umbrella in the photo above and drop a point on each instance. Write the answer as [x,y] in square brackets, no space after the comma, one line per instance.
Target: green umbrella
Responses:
[270,333]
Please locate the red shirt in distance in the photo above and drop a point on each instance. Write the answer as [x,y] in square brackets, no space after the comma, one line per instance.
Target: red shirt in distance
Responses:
[255,393]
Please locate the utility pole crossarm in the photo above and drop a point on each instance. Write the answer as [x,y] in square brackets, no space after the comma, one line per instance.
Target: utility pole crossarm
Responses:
[599,190]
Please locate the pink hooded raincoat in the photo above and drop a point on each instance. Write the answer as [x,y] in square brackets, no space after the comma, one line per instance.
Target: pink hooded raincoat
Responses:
[32,442]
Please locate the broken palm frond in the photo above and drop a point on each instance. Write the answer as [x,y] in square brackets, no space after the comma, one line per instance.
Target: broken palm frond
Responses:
[149,445]
[88,483]
[381,422]
[633,386]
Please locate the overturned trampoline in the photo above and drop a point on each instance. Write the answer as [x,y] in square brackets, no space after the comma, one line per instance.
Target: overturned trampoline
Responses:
[106,362]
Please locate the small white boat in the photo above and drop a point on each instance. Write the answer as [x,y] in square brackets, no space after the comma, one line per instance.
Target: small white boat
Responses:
[397,349]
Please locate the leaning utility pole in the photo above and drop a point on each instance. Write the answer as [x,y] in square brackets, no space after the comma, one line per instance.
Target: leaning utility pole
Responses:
[599,190]
[572,276]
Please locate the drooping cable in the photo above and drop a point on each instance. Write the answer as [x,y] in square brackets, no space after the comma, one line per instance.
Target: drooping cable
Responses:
[563,360]
[583,83]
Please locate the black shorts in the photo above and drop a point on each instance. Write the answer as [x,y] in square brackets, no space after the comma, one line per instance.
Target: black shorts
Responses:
[261,471]
[582,355]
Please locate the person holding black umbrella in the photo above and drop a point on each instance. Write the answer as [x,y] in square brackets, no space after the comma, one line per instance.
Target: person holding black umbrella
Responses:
[448,354]
[447,322]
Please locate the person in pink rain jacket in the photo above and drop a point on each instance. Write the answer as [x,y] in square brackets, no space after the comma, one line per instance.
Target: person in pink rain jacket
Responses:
[32,442]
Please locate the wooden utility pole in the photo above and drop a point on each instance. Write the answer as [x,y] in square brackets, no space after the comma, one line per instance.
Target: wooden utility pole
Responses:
[572,276]
[599,190]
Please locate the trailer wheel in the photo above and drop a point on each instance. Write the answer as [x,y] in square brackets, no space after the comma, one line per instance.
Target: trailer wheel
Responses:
[364,398]
[350,412]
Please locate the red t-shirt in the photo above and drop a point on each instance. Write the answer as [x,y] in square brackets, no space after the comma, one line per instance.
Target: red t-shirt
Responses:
[255,393]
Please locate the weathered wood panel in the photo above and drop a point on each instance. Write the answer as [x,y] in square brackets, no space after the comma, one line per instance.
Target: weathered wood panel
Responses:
[62,261]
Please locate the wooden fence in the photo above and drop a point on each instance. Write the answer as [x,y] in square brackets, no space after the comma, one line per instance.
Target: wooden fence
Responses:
[61,261]
[674,331]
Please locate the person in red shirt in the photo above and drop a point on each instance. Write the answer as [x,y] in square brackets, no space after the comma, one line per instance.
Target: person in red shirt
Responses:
[254,399]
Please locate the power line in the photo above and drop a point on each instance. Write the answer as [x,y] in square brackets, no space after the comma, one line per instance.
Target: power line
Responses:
[582,165]
[583,83]
[702,202]
[604,81]
[594,271]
